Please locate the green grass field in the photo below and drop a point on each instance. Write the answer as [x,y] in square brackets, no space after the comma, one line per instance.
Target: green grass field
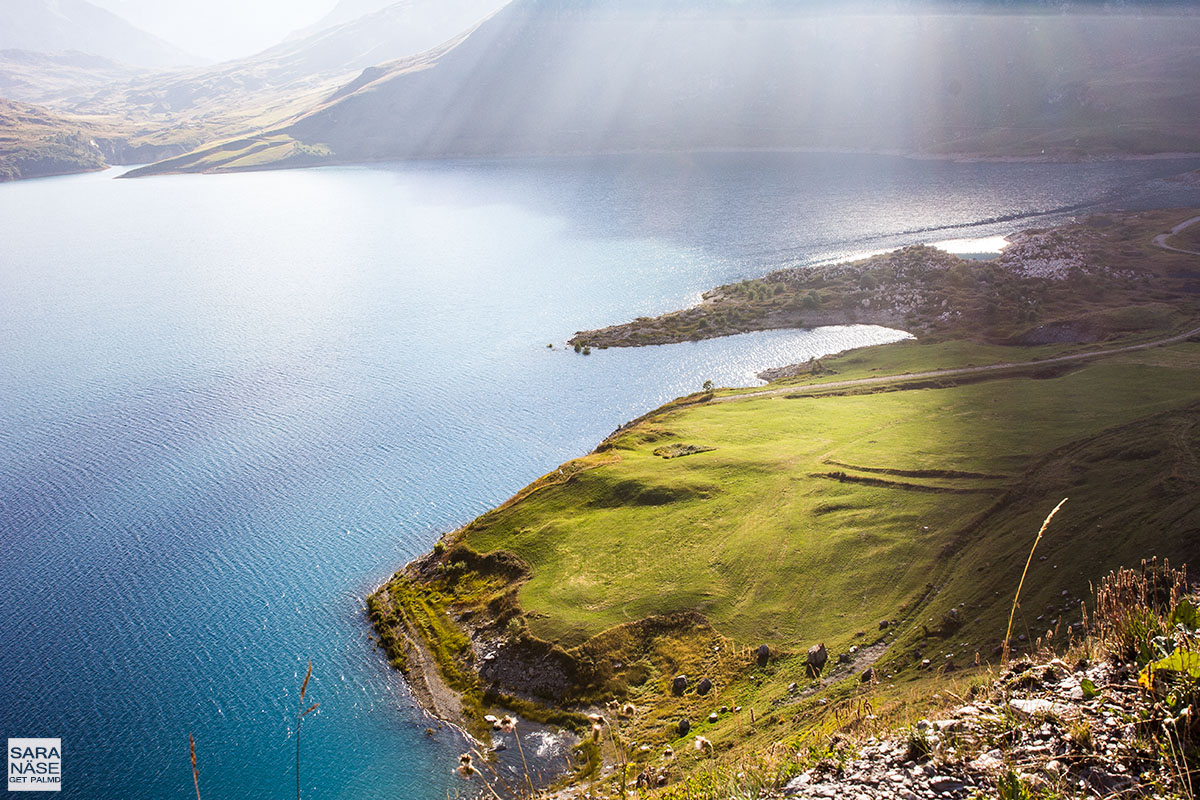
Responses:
[767,539]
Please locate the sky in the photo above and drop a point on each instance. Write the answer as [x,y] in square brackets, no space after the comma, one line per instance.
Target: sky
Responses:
[221,29]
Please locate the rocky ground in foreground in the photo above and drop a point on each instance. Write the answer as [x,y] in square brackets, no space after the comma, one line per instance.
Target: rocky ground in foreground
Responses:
[1044,728]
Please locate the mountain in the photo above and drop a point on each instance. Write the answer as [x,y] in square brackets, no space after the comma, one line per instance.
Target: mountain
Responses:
[35,142]
[582,77]
[351,10]
[286,79]
[69,75]
[160,113]
[51,26]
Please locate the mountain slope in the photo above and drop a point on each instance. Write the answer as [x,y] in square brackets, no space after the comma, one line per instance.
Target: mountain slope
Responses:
[542,77]
[251,94]
[36,142]
[51,26]
[422,14]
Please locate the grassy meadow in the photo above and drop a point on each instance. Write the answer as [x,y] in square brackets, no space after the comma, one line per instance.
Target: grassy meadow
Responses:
[813,517]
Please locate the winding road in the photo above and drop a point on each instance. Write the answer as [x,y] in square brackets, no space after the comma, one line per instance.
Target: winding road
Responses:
[815,388]
[1161,239]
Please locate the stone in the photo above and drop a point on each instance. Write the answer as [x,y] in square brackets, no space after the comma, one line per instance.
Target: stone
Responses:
[944,784]
[684,726]
[844,658]
[713,717]
[764,655]
[680,684]
[868,675]
[818,656]
[703,687]
[988,762]
[1037,707]
[883,624]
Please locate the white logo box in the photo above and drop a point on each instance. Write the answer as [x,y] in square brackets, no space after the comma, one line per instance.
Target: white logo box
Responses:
[34,765]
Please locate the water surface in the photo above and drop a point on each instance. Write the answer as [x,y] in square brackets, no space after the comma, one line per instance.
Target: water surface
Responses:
[231,405]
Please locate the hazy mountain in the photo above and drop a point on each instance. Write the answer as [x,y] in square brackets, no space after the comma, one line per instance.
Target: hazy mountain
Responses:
[51,26]
[161,113]
[351,10]
[548,76]
[296,71]
[386,31]
[47,77]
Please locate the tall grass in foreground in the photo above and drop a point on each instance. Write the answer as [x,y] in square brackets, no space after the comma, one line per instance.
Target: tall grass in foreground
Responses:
[1017,598]
[301,713]
[195,771]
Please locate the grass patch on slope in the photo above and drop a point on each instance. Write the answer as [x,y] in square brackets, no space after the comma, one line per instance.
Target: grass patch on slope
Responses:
[747,536]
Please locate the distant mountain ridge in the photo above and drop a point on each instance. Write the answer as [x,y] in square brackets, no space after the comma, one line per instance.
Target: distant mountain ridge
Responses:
[578,77]
[53,26]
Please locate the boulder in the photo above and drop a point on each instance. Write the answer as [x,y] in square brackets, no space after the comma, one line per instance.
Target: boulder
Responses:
[703,687]
[818,656]
[764,655]
[868,675]
[680,684]
[684,726]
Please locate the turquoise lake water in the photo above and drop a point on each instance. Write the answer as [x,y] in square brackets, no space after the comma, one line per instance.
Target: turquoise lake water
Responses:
[230,406]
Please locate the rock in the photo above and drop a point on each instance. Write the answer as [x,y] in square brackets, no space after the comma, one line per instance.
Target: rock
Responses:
[868,675]
[944,784]
[713,717]
[883,624]
[844,658]
[1037,707]
[680,684]
[988,762]
[684,726]
[793,687]
[703,687]
[764,655]
[818,656]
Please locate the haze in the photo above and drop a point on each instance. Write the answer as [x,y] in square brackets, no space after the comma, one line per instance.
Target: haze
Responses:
[203,27]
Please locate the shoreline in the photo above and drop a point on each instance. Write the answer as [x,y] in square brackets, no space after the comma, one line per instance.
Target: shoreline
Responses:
[913,155]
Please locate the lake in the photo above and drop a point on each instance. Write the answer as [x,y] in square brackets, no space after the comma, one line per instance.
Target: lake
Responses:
[231,406]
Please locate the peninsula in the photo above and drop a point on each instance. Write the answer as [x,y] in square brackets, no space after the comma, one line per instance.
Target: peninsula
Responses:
[748,583]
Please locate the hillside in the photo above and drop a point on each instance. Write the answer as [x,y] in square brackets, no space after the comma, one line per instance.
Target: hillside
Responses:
[31,77]
[881,526]
[183,108]
[587,77]
[36,142]
[53,26]
[423,15]
[1088,281]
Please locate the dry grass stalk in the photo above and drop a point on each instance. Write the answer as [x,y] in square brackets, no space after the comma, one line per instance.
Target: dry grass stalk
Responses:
[1017,598]
[195,771]
[301,713]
